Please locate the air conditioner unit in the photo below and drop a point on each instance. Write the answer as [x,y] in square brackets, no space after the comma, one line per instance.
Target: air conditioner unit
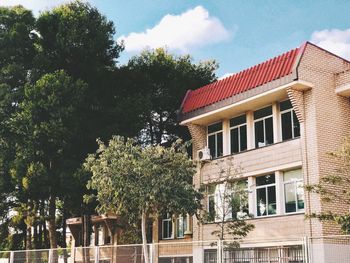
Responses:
[204,154]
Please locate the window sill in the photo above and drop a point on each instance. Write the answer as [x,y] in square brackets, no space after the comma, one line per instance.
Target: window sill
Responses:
[280,215]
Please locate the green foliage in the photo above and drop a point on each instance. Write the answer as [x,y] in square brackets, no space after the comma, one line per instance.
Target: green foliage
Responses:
[158,81]
[131,180]
[334,188]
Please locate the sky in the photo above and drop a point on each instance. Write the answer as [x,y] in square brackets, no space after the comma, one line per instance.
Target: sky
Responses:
[236,33]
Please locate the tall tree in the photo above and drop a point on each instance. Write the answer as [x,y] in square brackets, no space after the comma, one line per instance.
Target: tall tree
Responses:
[334,188]
[160,80]
[45,127]
[136,182]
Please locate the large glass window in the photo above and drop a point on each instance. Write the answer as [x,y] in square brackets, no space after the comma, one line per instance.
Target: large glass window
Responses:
[266,195]
[167,227]
[210,256]
[181,226]
[215,140]
[293,191]
[289,122]
[263,127]
[239,200]
[238,134]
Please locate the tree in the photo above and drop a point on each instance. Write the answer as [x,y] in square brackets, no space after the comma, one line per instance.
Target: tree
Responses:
[136,182]
[45,127]
[229,204]
[160,80]
[334,188]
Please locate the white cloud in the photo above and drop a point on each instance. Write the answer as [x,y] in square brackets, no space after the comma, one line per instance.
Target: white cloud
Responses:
[334,40]
[226,75]
[35,5]
[194,27]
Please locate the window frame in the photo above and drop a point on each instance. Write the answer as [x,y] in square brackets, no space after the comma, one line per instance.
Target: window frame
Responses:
[295,182]
[215,133]
[266,186]
[264,126]
[239,134]
[184,226]
[292,112]
[169,219]
[208,202]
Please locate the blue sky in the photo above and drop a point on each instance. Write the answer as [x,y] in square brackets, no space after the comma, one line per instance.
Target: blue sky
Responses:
[236,33]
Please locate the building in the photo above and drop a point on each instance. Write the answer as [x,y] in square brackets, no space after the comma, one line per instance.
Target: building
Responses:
[276,121]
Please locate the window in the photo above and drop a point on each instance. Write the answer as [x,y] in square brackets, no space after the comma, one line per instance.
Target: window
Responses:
[175,260]
[181,226]
[215,140]
[293,191]
[238,134]
[239,200]
[263,127]
[210,256]
[266,195]
[211,202]
[167,227]
[289,122]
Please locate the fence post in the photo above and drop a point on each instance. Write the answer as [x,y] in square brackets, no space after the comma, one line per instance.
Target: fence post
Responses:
[219,251]
[50,255]
[97,254]
[151,253]
[12,257]
[306,243]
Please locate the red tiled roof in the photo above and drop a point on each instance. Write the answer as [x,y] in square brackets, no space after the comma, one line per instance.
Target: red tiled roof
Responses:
[250,78]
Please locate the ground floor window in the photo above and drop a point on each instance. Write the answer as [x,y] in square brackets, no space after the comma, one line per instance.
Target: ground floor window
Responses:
[210,256]
[175,260]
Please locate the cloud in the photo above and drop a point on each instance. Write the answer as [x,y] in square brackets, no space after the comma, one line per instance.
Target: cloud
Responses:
[334,40]
[192,28]
[35,5]
[226,75]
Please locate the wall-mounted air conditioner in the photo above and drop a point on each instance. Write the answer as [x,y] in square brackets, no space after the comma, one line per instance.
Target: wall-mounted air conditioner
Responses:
[204,154]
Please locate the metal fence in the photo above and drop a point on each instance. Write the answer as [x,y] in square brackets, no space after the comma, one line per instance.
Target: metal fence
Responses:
[331,249]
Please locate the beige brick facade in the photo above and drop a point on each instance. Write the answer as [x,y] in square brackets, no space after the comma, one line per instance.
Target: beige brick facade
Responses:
[324,118]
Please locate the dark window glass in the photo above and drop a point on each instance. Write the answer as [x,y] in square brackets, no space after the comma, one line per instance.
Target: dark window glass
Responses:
[219,145]
[210,256]
[211,208]
[296,125]
[238,120]
[285,105]
[286,120]
[263,113]
[271,193]
[264,180]
[215,127]
[212,144]
[243,137]
[289,193]
[234,141]
[261,201]
[269,131]
[259,134]
[167,228]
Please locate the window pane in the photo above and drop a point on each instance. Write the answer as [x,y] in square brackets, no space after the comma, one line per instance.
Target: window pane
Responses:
[259,134]
[180,227]
[269,131]
[243,137]
[234,141]
[263,112]
[286,122]
[211,141]
[215,127]
[211,208]
[289,193]
[285,105]
[264,180]
[300,195]
[271,192]
[238,120]
[296,125]
[292,175]
[219,149]
[261,201]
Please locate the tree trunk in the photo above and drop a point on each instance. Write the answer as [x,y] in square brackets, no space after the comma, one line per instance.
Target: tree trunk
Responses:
[64,237]
[52,228]
[29,221]
[144,237]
